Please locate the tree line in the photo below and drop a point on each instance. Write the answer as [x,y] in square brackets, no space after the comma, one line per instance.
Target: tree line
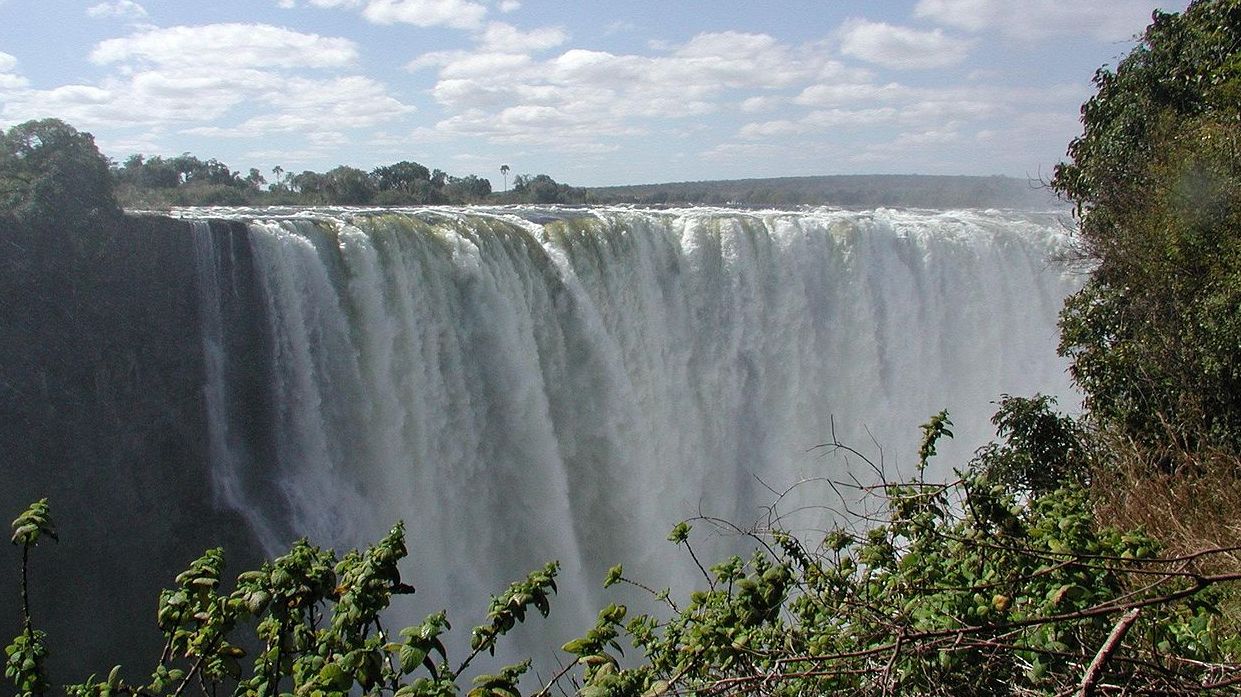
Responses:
[49,166]
[188,180]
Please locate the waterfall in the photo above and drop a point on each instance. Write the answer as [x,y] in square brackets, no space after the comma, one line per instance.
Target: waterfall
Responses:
[521,385]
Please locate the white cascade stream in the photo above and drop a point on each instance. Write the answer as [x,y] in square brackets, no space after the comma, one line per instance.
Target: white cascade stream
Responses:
[521,385]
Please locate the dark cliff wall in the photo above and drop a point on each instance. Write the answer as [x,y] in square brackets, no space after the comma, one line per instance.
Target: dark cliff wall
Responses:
[101,410]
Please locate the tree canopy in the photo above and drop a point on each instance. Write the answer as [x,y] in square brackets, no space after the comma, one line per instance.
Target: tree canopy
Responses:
[1155,335]
[50,170]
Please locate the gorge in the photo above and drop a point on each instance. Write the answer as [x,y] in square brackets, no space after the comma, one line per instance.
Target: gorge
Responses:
[518,384]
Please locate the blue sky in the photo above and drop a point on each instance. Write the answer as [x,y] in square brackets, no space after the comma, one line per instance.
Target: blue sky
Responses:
[592,93]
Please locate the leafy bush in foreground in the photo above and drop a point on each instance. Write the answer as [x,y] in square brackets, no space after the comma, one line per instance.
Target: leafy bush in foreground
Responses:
[957,588]
[1001,580]
[314,618]
[993,582]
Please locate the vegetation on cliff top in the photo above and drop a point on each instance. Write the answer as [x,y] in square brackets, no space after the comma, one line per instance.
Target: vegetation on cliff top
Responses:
[84,177]
[50,170]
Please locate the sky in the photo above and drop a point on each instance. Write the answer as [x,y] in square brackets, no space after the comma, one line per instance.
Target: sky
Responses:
[592,93]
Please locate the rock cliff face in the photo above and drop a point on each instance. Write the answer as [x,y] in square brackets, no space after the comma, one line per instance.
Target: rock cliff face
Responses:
[101,411]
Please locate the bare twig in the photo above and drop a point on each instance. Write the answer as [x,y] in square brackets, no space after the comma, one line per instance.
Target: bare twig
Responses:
[1091,678]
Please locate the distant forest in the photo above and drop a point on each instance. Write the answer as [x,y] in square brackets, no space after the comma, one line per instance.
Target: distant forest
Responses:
[186,180]
[850,191]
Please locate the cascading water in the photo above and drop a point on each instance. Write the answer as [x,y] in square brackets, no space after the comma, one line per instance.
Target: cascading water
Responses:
[522,385]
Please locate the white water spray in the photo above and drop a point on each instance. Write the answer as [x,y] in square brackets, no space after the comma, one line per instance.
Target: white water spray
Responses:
[525,385]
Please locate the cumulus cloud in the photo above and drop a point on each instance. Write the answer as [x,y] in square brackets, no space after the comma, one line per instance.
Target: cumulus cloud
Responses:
[145,98]
[125,9]
[9,79]
[501,92]
[775,157]
[228,46]
[151,141]
[820,121]
[900,47]
[314,106]
[834,93]
[1106,20]
[184,77]
[459,14]
[507,6]
[930,110]
[762,103]
[499,36]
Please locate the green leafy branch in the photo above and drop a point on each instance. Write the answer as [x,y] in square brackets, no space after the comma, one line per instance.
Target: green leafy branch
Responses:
[25,656]
[974,586]
[317,622]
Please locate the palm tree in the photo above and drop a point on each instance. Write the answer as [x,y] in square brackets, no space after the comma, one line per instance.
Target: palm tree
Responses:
[504,172]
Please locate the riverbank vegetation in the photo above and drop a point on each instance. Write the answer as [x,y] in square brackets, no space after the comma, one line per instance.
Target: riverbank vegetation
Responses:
[157,183]
[1098,554]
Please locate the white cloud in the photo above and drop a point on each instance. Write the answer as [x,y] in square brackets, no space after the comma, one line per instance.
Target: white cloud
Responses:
[981,74]
[835,71]
[500,92]
[819,121]
[840,93]
[337,104]
[757,104]
[901,47]
[148,142]
[932,110]
[925,147]
[481,65]
[768,129]
[850,118]
[228,46]
[580,99]
[775,158]
[126,9]
[7,62]
[145,98]
[507,6]
[547,127]
[199,79]
[1105,20]
[950,111]
[499,36]
[741,59]
[459,14]
[931,136]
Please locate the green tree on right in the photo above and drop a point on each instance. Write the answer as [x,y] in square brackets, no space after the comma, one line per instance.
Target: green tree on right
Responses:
[1155,335]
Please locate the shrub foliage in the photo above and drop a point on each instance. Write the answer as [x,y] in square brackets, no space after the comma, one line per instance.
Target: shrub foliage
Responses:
[965,587]
[989,583]
[308,623]
[1155,335]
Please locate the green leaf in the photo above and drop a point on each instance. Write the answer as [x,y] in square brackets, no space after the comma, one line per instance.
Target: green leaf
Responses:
[680,532]
[656,689]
